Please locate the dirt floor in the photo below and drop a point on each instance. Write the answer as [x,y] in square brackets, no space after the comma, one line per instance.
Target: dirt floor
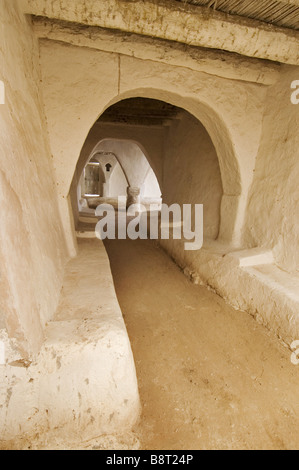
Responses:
[209,377]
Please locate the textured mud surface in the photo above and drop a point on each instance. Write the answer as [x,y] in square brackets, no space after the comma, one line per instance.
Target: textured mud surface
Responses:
[209,376]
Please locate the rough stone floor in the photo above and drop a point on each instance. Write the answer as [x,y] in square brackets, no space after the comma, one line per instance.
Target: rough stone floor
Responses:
[210,377]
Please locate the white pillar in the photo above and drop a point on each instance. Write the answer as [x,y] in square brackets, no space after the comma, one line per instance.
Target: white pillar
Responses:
[133,197]
[106,189]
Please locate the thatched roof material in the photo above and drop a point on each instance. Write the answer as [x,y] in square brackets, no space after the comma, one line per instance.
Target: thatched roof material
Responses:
[279,13]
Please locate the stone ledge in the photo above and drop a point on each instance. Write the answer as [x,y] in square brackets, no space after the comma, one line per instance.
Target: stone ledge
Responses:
[83,382]
[263,290]
[252,257]
[256,290]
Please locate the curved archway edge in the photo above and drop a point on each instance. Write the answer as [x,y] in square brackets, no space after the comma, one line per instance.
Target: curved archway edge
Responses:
[230,110]
[102,142]
[98,152]
[235,192]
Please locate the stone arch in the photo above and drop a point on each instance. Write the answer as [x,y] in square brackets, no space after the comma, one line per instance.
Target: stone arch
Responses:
[235,195]
[87,152]
[213,123]
[235,191]
[230,110]
[111,144]
[101,154]
[113,162]
[114,146]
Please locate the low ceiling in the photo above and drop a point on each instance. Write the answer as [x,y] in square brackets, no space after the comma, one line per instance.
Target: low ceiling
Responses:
[279,13]
[260,29]
[140,111]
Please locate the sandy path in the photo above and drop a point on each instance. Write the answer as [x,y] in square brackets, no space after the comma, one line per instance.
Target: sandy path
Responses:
[209,377]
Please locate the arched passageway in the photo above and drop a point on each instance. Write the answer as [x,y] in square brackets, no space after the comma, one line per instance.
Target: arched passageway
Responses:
[189,364]
[235,169]
[109,181]
[160,148]
[207,122]
[125,172]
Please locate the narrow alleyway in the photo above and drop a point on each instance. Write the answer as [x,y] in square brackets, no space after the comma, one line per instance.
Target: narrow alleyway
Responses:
[209,377]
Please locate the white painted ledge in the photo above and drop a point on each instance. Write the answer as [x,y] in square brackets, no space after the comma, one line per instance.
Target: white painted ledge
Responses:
[83,383]
[252,257]
[248,280]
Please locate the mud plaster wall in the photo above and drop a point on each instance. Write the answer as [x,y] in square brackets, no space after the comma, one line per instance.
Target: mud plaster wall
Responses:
[92,80]
[71,115]
[232,112]
[191,171]
[31,241]
[274,199]
[44,394]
